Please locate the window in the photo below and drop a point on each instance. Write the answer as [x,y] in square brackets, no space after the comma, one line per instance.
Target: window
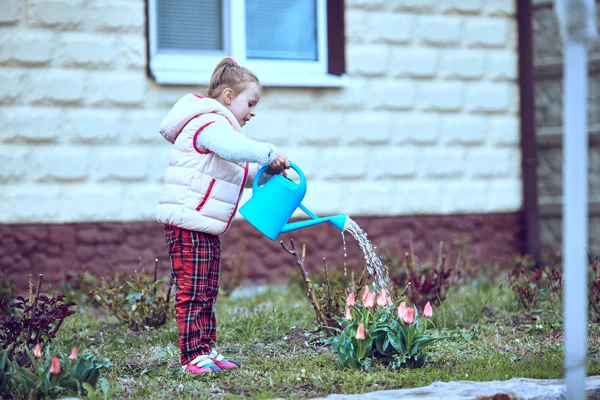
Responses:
[285,42]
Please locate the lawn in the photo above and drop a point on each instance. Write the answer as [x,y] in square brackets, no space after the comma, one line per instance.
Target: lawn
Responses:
[490,337]
[496,324]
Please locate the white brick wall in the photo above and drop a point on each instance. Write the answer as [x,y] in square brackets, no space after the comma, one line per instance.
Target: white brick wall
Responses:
[427,124]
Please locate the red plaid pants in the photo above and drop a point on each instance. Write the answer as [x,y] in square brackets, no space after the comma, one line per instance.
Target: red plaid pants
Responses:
[195,259]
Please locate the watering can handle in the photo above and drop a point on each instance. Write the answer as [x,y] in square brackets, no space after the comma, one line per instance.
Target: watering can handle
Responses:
[292,165]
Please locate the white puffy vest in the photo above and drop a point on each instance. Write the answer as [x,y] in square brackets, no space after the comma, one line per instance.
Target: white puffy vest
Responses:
[202,191]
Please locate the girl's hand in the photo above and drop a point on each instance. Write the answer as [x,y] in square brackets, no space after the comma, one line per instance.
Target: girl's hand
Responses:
[273,171]
[281,161]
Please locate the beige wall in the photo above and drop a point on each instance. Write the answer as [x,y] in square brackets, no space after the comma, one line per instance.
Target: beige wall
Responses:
[428,122]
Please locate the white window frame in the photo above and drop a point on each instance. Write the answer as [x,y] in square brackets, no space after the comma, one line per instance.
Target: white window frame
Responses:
[187,68]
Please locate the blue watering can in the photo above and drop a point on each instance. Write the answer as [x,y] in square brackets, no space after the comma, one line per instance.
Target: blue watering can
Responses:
[272,205]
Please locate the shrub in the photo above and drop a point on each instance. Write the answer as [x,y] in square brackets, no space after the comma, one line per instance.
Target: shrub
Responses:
[78,284]
[336,276]
[7,289]
[535,286]
[594,286]
[139,301]
[232,273]
[26,323]
[424,281]
[540,286]
[326,301]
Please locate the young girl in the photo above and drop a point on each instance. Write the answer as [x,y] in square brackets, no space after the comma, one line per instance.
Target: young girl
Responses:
[207,173]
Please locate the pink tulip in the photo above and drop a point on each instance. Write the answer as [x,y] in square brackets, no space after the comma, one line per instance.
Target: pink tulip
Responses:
[427,311]
[409,317]
[351,301]
[349,314]
[370,302]
[73,355]
[37,351]
[55,367]
[365,294]
[360,332]
[389,300]
[402,310]
[381,298]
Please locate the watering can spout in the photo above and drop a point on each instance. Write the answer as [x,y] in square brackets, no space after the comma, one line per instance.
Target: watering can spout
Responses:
[339,221]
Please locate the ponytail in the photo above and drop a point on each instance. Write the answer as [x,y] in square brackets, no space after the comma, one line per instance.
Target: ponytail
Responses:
[229,74]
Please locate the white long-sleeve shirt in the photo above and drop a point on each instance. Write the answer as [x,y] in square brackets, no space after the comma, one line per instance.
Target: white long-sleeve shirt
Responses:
[233,146]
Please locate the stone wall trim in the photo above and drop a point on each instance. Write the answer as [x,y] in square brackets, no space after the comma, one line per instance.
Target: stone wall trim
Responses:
[54,249]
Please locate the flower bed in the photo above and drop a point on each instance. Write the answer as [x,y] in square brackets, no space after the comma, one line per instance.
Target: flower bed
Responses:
[489,331]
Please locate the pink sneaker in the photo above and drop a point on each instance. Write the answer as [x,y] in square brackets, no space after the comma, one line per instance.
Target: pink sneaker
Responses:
[202,365]
[222,362]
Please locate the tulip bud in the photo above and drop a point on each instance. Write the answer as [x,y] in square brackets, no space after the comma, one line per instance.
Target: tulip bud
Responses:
[409,317]
[351,301]
[360,332]
[389,301]
[428,310]
[381,298]
[37,351]
[55,367]
[73,355]
[402,310]
[349,314]
[365,294]
[370,302]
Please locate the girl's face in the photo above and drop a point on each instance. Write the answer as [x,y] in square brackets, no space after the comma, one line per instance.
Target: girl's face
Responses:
[244,104]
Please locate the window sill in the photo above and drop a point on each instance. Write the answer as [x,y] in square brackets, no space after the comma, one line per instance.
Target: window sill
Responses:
[182,77]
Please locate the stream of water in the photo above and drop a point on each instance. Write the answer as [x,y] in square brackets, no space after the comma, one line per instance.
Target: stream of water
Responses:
[375,266]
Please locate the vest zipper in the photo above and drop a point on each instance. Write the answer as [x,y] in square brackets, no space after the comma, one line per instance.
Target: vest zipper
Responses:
[207,194]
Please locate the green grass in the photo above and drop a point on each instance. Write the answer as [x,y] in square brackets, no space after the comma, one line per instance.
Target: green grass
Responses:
[273,335]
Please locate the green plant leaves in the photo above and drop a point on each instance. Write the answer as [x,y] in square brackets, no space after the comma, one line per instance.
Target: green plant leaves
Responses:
[6,370]
[36,381]
[138,301]
[89,389]
[87,369]
[387,337]
[105,392]
[382,343]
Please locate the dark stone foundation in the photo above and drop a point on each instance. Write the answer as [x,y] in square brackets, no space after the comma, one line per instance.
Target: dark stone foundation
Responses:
[54,249]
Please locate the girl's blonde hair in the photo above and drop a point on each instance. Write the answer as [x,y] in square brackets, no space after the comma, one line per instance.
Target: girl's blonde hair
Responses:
[228,74]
